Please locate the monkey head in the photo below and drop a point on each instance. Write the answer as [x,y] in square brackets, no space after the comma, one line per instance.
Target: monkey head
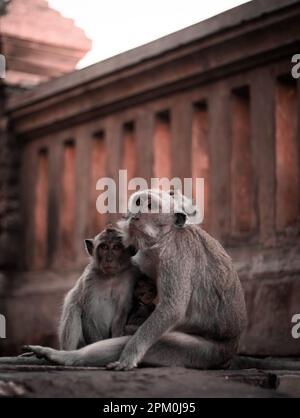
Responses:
[186,205]
[151,215]
[109,254]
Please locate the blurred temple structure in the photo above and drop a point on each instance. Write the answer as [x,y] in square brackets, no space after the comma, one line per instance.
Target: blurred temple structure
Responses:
[215,100]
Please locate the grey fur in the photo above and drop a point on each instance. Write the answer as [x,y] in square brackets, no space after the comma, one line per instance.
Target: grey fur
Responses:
[201,309]
[199,291]
[98,306]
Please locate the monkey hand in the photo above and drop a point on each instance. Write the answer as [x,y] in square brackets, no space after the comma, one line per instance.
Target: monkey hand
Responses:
[124,364]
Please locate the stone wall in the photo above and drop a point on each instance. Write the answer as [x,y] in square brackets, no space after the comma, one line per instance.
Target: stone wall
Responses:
[39,43]
[214,100]
[10,214]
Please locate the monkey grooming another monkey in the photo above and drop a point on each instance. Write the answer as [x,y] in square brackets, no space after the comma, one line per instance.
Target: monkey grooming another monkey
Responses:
[98,306]
[201,310]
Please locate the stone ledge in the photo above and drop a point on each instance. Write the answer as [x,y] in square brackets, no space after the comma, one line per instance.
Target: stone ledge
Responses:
[51,381]
[219,24]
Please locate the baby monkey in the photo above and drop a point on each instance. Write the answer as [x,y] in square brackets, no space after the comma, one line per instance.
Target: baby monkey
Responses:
[98,306]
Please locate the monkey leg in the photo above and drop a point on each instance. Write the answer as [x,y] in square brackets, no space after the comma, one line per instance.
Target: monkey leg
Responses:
[184,350]
[98,354]
[49,354]
[52,356]
[173,349]
[191,351]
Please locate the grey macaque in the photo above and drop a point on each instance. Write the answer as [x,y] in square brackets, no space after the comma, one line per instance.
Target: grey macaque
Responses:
[97,307]
[201,311]
[187,206]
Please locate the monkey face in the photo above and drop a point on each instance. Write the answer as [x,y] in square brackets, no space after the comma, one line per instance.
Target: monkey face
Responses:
[187,206]
[151,215]
[109,253]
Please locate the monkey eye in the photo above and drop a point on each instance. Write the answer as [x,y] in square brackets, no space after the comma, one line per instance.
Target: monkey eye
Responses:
[138,202]
[103,246]
[118,247]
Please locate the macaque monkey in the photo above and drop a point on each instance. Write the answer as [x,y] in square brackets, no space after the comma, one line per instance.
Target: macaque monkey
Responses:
[201,311]
[187,206]
[97,307]
[144,302]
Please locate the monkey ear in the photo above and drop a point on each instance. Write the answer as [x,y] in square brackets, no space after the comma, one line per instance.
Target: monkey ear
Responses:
[132,250]
[89,246]
[180,219]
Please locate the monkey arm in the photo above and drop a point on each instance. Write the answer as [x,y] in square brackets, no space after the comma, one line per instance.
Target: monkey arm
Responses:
[161,320]
[70,328]
[70,333]
[124,304]
[169,312]
[118,325]
[124,307]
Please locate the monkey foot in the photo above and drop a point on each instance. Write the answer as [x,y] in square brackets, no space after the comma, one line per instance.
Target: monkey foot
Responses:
[121,366]
[27,354]
[42,353]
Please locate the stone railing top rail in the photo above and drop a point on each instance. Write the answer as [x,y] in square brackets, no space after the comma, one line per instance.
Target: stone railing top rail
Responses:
[220,23]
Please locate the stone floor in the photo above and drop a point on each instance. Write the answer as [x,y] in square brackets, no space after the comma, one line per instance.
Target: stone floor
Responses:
[52,381]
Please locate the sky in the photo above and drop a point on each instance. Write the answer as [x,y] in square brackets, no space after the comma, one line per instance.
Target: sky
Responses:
[116,26]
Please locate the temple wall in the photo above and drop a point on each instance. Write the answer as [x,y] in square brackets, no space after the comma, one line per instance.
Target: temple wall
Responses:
[216,100]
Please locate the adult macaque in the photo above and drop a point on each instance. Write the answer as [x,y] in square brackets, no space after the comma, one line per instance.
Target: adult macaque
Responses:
[187,206]
[201,310]
[97,307]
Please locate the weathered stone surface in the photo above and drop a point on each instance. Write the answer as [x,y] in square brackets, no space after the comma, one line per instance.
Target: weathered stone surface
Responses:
[3,4]
[271,281]
[142,383]
[33,309]
[289,384]
[10,217]
[39,43]
[271,306]
[249,46]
